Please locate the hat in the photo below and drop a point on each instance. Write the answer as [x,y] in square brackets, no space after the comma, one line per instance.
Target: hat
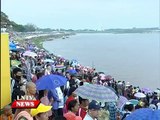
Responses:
[40,109]
[152,106]
[73,75]
[158,105]
[94,105]
[23,114]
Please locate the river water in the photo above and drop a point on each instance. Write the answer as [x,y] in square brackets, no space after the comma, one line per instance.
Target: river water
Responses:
[134,58]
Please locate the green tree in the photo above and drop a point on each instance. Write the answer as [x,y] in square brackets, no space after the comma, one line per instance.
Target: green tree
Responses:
[30,28]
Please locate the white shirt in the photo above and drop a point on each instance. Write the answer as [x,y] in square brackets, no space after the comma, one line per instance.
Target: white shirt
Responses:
[88,117]
[60,96]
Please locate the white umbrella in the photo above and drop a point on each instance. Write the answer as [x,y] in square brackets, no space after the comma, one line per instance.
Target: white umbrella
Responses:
[49,60]
[139,95]
[29,53]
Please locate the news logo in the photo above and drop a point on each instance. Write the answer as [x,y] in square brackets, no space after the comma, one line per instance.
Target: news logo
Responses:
[25,102]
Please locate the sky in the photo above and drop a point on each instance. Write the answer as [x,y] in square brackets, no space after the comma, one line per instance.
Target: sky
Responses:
[84,14]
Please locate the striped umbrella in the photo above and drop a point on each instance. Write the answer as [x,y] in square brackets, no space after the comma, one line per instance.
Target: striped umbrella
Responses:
[147,90]
[96,92]
[121,101]
[60,67]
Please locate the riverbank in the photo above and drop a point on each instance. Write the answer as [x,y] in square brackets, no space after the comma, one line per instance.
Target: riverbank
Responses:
[39,39]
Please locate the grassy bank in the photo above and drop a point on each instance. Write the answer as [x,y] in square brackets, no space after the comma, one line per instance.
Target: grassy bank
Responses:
[38,41]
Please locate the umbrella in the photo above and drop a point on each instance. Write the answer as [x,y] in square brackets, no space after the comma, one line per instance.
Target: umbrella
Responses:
[12,46]
[72,71]
[29,53]
[48,82]
[49,60]
[109,77]
[112,89]
[15,62]
[144,114]
[134,101]
[96,92]
[121,101]
[139,95]
[60,67]
[18,48]
[146,90]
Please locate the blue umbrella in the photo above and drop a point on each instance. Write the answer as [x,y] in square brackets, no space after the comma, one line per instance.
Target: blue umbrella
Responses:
[72,71]
[12,46]
[144,114]
[48,82]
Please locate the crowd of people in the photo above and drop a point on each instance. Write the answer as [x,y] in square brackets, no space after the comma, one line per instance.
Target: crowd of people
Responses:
[62,103]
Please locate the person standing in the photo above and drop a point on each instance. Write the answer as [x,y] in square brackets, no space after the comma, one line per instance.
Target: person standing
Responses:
[61,101]
[16,84]
[55,105]
[83,107]
[72,110]
[71,96]
[43,97]
[31,89]
[93,111]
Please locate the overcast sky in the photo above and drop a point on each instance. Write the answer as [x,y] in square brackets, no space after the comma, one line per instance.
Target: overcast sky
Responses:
[81,14]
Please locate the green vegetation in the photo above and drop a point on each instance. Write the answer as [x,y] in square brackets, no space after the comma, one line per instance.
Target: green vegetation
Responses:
[11,25]
[39,40]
